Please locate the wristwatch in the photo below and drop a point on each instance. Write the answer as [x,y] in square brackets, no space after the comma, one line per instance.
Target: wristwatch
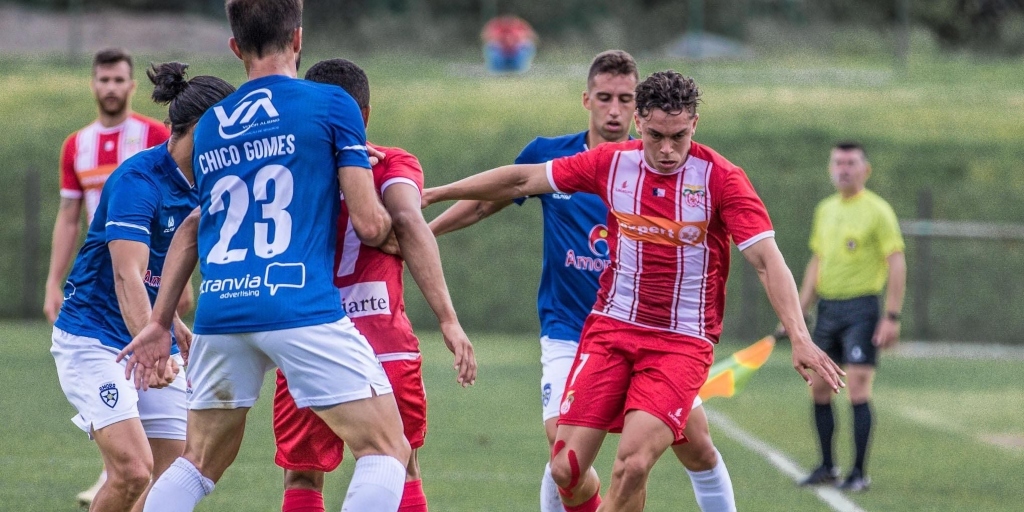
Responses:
[892,315]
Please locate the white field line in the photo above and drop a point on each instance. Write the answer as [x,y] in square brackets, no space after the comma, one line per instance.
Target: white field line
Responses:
[830,496]
[982,351]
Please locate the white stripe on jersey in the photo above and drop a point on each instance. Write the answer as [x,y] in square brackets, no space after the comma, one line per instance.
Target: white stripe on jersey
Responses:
[394,181]
[127,225]
[398,356]
[87,143]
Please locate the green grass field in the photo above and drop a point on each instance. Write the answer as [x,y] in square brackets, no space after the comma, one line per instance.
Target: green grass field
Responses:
[949,437]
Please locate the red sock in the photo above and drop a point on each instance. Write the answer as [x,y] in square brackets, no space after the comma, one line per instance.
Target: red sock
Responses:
[302,500]
[587,506]
[413,499]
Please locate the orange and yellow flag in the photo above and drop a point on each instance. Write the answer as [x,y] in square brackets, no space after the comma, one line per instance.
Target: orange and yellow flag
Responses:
[728,376]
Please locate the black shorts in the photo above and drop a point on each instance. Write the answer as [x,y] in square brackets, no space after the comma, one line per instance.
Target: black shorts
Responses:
[844,329]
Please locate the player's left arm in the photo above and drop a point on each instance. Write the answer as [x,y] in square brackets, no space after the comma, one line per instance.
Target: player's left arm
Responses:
[780,286]
[419,249]
[129,260]
[888,331]
[500,184]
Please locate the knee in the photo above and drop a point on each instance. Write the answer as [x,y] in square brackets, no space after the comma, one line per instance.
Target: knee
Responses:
[563,473]
[698,457]
[311,480]
[632,469]
[130,479]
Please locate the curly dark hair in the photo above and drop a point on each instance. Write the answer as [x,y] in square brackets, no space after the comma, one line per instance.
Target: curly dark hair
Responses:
[668,91]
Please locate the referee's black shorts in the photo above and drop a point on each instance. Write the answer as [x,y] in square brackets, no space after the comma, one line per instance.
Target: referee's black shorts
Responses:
[844,329]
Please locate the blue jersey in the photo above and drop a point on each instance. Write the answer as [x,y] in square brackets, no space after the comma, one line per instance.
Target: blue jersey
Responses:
[144,200]
[266,163]
[575,245]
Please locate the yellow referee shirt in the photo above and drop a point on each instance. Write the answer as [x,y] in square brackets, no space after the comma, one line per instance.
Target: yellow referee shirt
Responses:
[852,239]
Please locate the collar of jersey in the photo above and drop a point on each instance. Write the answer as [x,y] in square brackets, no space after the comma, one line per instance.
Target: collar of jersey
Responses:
[170,168]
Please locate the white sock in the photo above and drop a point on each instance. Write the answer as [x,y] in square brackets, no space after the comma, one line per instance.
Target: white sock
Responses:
[713,488]
[549,499]
[377,485]
[179,489]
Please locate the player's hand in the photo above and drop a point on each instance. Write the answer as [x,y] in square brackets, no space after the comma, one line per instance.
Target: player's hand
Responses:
[887,334]
[183,336]
[52,302]
[429,197]
[149,353]
[465,361]
[376,156]
[157,381]
[390,245]
[807,356]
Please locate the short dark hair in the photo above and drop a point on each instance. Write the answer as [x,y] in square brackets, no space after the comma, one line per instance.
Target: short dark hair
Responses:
[263,25]
[109,56]
[850,145]
[615,62]
[345,74]
[668,91]
[187,100]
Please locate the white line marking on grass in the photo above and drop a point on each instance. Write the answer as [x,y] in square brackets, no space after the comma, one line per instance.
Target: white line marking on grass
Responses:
[832,497]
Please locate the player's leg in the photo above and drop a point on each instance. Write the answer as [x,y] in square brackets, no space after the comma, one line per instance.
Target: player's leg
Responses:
[556,358]
[644,438]
[405,372]
[827,331]
[129,462]
[572,461]
[861,356]
[712,485]
[306,449]
[226,374]
[163,413]
[332,369]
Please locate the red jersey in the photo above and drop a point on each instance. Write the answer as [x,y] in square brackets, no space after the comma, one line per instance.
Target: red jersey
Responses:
[370,279]
[91,154]
[668,233]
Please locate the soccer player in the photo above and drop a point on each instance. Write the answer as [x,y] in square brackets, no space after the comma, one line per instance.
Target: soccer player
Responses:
[90,155]
[648,343]
[109,292]
[575,254]
[270,159]
[856,248]
[371,290]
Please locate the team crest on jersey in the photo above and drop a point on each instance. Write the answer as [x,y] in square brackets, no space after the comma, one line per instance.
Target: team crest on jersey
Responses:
[253,110]
[567,402]
[545,395]
[693,195]
[851,244]
[108,393]
[69,290]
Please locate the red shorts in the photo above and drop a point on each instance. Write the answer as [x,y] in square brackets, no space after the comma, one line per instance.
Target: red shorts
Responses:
[306,443]
[622,367]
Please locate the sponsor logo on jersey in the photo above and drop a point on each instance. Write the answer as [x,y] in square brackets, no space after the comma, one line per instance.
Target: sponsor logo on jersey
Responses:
[693,195]
[170,225]
[661,231]
[108,393]
[599,240]
[366,299]
[559,195]
[545,394]
[253,110]
[151,279]
[676,416]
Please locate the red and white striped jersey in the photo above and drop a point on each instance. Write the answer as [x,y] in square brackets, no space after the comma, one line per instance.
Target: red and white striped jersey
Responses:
[91,154]
[370,279]
[669,233]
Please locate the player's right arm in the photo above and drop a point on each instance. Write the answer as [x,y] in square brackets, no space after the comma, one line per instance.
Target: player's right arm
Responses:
[501,184]
[65,237]
[808,292]
[152,347]
[369,218]
[464,214]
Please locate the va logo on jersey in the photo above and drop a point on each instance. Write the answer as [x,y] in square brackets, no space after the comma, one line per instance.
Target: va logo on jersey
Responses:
[599,240]
[244,116]
[108,393]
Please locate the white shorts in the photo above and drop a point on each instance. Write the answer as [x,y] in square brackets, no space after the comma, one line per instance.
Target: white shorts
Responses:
[325,365]
[556,357]
[95,385]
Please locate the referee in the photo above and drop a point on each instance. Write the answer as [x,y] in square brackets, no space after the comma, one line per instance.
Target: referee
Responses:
[856,248]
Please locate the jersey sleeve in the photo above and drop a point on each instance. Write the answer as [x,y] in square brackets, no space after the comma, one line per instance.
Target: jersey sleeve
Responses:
[349,132]
[890,240]
[527,156]
[70,187]
[814,243]
[401,167]
[158,134]
[742,211]
[579,172]
[131,207]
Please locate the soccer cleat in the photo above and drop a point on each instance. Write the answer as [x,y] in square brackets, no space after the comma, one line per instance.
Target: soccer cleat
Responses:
[85,497]
[821,476]
[856,482]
